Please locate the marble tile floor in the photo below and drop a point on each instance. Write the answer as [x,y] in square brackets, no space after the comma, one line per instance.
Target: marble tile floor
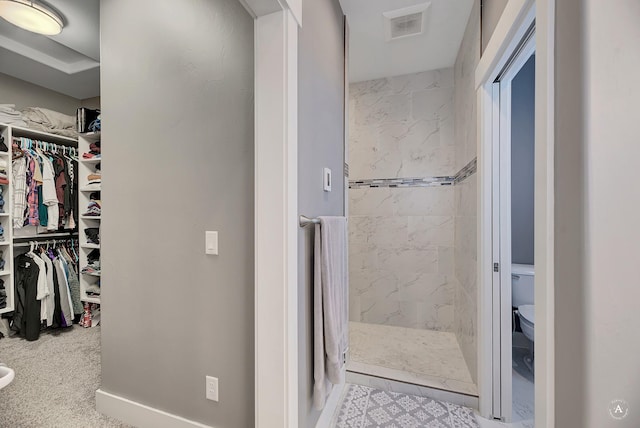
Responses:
[420,357]
[523,389]
[486,423]
[523,396]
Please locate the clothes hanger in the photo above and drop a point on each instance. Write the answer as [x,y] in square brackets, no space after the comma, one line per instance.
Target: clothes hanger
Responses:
[66,154]
[75,253]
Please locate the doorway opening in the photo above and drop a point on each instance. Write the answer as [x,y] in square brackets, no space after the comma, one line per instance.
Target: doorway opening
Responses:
[411,203]
[512,177]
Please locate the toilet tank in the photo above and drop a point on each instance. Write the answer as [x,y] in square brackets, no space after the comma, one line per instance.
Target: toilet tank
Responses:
[522,290]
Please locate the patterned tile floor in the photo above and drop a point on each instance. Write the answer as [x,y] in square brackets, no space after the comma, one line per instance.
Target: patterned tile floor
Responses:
[363,406]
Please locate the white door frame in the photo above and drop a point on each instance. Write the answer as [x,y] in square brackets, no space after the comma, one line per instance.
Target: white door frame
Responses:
[276,206]
[514,23]
[276,376]
[501,206]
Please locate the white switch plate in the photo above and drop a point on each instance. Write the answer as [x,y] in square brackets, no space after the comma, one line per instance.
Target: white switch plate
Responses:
[212,388]
[211,243]
[326,179]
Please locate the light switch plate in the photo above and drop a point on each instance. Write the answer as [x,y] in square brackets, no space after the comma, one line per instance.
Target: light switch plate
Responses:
[326,179]
[211,243]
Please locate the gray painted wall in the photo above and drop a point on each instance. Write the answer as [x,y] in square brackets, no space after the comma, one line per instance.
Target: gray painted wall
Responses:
[522,163]
[320,144]
[24,94]
[177,103]
[569,200]
[491,13]
[597,238]
[91,102]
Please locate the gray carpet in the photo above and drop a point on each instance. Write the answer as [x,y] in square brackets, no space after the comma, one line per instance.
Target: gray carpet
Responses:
[363,406]
[56,380]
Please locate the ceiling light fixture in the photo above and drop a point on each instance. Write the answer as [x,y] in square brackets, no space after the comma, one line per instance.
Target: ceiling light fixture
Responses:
[31,16]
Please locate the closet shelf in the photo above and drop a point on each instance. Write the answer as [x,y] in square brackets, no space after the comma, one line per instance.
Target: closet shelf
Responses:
[52,235]
[44,136]
[92,136]
[5,272]
[4,214]
[91,273]
[90,217]
[87,167]
[90,161]
[5,242]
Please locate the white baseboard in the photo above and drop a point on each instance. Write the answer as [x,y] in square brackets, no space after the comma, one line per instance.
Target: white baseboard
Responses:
[139,415]
[330,407]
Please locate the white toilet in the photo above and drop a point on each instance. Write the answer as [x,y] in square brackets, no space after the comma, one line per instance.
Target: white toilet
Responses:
[522,297]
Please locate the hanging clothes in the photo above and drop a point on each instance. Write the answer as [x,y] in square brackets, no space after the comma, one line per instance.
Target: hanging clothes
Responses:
[19,183]
[32,193]
[49,196]
[49,301]
[47,289]
[26,317]
[3,295]
[65,294]
[43,287]
[70,265]
[44,185]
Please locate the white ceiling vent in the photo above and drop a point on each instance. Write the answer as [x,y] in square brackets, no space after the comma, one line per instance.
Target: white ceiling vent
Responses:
[409,21]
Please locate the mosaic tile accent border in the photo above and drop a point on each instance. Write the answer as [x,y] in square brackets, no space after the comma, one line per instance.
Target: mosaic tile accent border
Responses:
[462,175]
[402,182]
[466,172]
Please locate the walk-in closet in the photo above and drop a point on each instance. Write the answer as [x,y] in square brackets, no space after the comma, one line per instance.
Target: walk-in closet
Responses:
[50,230]
[50,216]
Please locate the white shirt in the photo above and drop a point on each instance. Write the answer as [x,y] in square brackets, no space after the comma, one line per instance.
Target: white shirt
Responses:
[49,301]
[49,195]
[43,286]
[19,183]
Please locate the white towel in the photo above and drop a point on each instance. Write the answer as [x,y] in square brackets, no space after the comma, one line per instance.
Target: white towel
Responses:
[10,116]
[330,305]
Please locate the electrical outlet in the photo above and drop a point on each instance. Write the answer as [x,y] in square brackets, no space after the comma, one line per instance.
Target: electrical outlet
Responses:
[212,388]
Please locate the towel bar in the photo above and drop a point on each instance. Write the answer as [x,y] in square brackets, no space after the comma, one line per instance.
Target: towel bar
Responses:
[305,221]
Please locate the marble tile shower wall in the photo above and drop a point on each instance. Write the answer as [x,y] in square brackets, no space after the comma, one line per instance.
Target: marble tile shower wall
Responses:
[466,195]
[402,126]
[401,243]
